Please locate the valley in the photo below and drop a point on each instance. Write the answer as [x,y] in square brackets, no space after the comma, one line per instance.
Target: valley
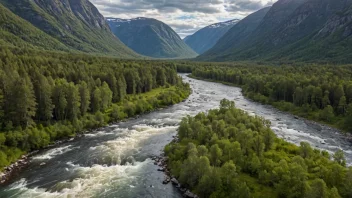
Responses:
[115,161]
[195,99]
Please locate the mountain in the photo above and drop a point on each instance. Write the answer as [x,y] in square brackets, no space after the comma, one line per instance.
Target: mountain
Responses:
[150,37]
[290,30]
[17,32]
[76,24]
[326,33]
[186,38]
[307,18]
[269,20]
[207,37]
[234,36]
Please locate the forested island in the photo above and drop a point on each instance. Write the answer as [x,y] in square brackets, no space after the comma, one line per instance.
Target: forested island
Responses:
[227,153]
[47,96]
[317,92]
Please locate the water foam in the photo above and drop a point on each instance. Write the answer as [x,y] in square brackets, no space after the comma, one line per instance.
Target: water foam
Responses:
[98,134]
[116,150]
[53,152]
[89,181]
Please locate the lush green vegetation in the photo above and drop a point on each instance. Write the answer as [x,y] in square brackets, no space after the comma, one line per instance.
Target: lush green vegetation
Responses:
[69,25]
[46,96]
[321,93]
[227,153]
[15,31]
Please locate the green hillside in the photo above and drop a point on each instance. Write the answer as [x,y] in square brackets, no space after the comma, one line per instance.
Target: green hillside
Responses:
[78,25]
[17,32]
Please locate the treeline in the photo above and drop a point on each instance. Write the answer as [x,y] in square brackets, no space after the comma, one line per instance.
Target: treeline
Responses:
[321,93]
[227,153]
[45,96]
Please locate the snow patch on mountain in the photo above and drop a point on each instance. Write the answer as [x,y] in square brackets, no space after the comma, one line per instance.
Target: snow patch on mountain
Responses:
[223,24]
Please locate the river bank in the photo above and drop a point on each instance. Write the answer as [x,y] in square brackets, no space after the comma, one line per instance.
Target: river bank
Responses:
[162,162]
[21,163]
[314,123]
[116,161]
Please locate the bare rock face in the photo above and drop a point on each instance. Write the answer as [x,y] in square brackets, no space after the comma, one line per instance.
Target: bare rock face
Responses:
[306,19]
[280,10]
[336,23]
[89,13]
[82,9]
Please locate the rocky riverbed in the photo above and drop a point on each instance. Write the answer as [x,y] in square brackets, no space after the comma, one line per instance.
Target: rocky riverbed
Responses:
[161,162]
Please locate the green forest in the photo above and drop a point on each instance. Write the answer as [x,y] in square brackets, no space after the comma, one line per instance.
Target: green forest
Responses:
[227,153]
[46,96]
[318,92]
[73,89]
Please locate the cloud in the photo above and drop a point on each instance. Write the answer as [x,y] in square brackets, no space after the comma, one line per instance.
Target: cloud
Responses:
[184,16]
[244,5]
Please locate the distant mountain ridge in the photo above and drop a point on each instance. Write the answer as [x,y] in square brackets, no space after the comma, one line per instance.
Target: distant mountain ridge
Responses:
[291,30]
[234,37]
[207,37]
[76,24]
[150,37]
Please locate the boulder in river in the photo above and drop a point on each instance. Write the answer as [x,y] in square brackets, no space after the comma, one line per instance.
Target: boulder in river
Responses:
[174,181]
[314,125]
[189,194]
[166,180]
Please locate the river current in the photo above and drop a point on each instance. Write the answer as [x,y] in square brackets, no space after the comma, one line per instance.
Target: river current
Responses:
[115,161]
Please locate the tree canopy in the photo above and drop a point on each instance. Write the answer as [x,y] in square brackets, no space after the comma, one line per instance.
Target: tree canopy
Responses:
[228,153]
[318,92]
[45,96]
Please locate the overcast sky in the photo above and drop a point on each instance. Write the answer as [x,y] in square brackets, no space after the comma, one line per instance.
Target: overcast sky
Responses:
[184,16]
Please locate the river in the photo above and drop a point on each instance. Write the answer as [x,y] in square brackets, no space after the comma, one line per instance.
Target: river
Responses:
[115,160]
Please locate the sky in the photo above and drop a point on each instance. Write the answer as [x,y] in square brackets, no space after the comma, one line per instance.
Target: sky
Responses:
[184,16]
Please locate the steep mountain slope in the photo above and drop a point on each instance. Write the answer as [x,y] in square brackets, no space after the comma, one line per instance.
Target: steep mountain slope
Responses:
[237,34]
[150,37]
[16,32]
[186,38]
[248,48]
[291,30]
[75,23]
[305,21]
[331,43]
[207,37]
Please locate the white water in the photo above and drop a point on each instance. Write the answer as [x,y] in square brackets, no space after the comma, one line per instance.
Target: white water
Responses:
[115,161]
